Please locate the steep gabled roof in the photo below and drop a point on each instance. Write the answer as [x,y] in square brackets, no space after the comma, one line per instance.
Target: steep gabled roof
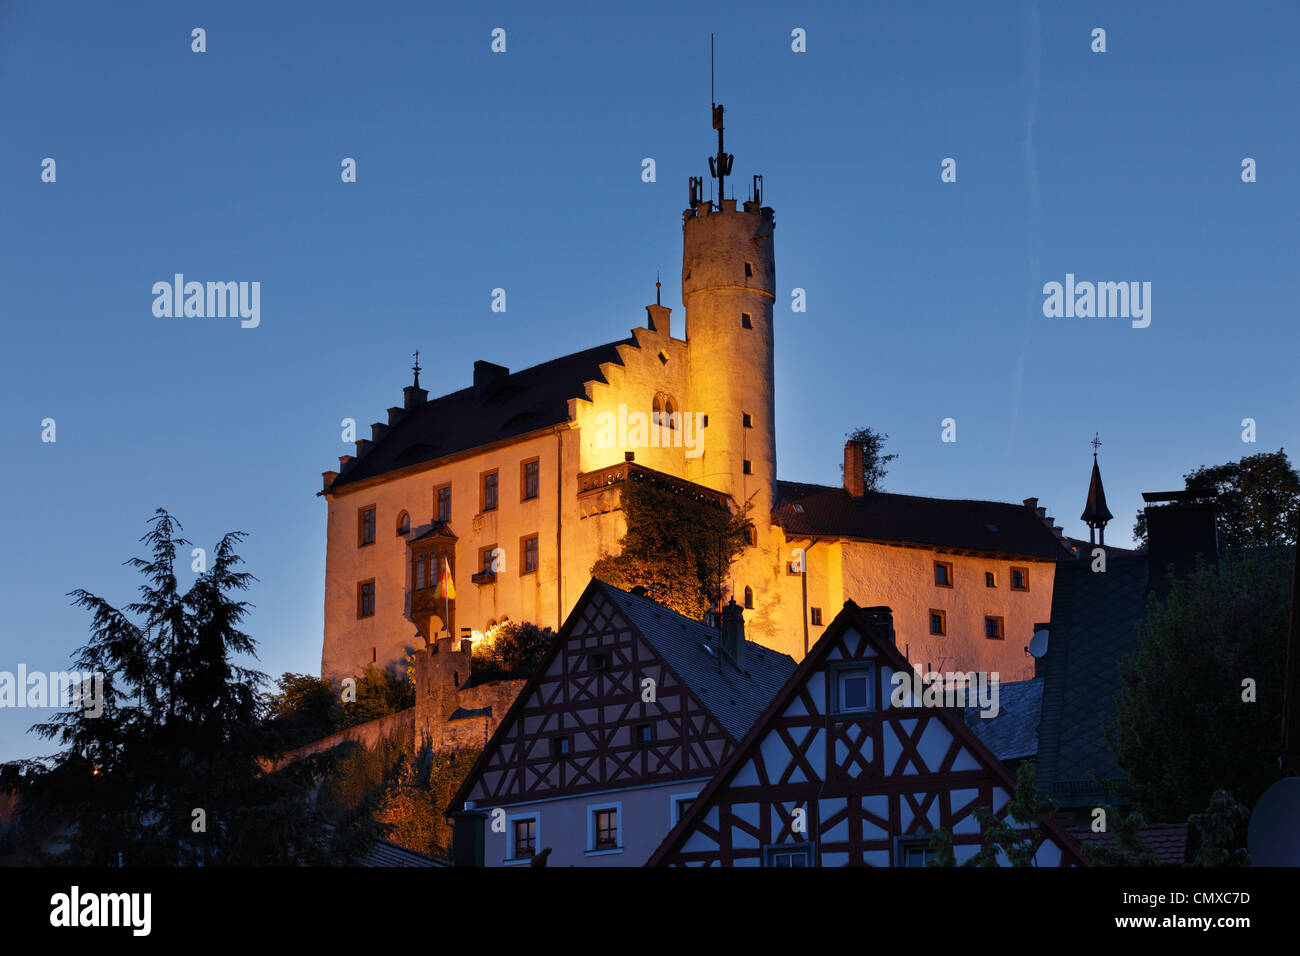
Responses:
[1094,625]
[989,526]
[870,624]
[1013,733]
[688,646]
[519,403]
[732,699]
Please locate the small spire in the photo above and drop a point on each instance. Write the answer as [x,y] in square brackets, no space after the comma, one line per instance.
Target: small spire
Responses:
[416,368]
[1095,513]
[657,302]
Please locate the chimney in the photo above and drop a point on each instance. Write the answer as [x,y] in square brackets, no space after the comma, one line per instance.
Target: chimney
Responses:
[485,376]
[883,617]
[732,634]
[413,396]
[853,469]
[659,318]
[1179,527]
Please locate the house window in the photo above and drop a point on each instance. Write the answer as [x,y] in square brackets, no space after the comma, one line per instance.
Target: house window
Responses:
[788,856]
[530,480]
[938,622]
[913,852]
[421,571]
[403,524]
[993,628]
[943,574]
[645,735]
[600,662]
[559,747]
[604,825]
[366,526]
[747,420]
[746,321]
[749,269]
[990,579]
[444,503]
[678,804]
[489,502]
[749,467]
[530,554]
[525,838]
[816,614]
[1020,579]
[749,598]
[366,598]
[852,688]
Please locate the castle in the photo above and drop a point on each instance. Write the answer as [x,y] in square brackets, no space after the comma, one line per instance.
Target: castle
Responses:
[512,485]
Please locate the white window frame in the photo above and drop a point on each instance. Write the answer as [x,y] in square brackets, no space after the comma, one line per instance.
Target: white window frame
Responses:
[592,810]
[511,858]
[674,814]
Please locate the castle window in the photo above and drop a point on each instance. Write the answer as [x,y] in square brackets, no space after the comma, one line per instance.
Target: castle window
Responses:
[705,422]
[938,622]
[366,598]
[747,420]
[489,502]
[750,535]
[366,526]
[746,320]
[993,628]
[443,496]
[990,579]
[663,358]
[487,562]
[1020,579]
[530,479]
[748,467]
[530,554]
[656,411]
[749,598]
[749,269]
[671,413]
[815,613]
[943,574]
[403,524]
[421,571]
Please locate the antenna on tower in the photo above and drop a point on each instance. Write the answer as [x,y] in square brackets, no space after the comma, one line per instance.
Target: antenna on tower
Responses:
[720,165]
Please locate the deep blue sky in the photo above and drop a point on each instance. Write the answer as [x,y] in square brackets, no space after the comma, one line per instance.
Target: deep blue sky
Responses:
[522,170]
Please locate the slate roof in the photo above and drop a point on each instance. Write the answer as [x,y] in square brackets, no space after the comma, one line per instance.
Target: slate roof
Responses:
[384,853]
[1168,841]
[1094,625]
[519,403]
[736,700]
[991,526]
[1013,733]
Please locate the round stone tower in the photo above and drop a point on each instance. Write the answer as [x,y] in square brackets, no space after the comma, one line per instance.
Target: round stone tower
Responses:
[728,290]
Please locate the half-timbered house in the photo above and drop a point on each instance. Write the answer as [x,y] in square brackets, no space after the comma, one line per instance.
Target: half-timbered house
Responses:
[631,712]
[836,772]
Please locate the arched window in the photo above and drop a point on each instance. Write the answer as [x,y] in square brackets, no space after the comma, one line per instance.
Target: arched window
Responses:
[671,415]
[403,523]
[656,410]
[749,598]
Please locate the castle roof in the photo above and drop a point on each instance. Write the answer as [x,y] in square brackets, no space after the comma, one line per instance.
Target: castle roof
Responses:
[989,526]
[512,405]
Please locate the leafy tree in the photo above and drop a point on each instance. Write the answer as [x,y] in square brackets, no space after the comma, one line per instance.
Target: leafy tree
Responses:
[378,694]
[172,771]
[1129,850]
[1016,834]
[1220,827]
[678,547]
[514,651]
[1183,725]
[1257,500]
[873,462]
